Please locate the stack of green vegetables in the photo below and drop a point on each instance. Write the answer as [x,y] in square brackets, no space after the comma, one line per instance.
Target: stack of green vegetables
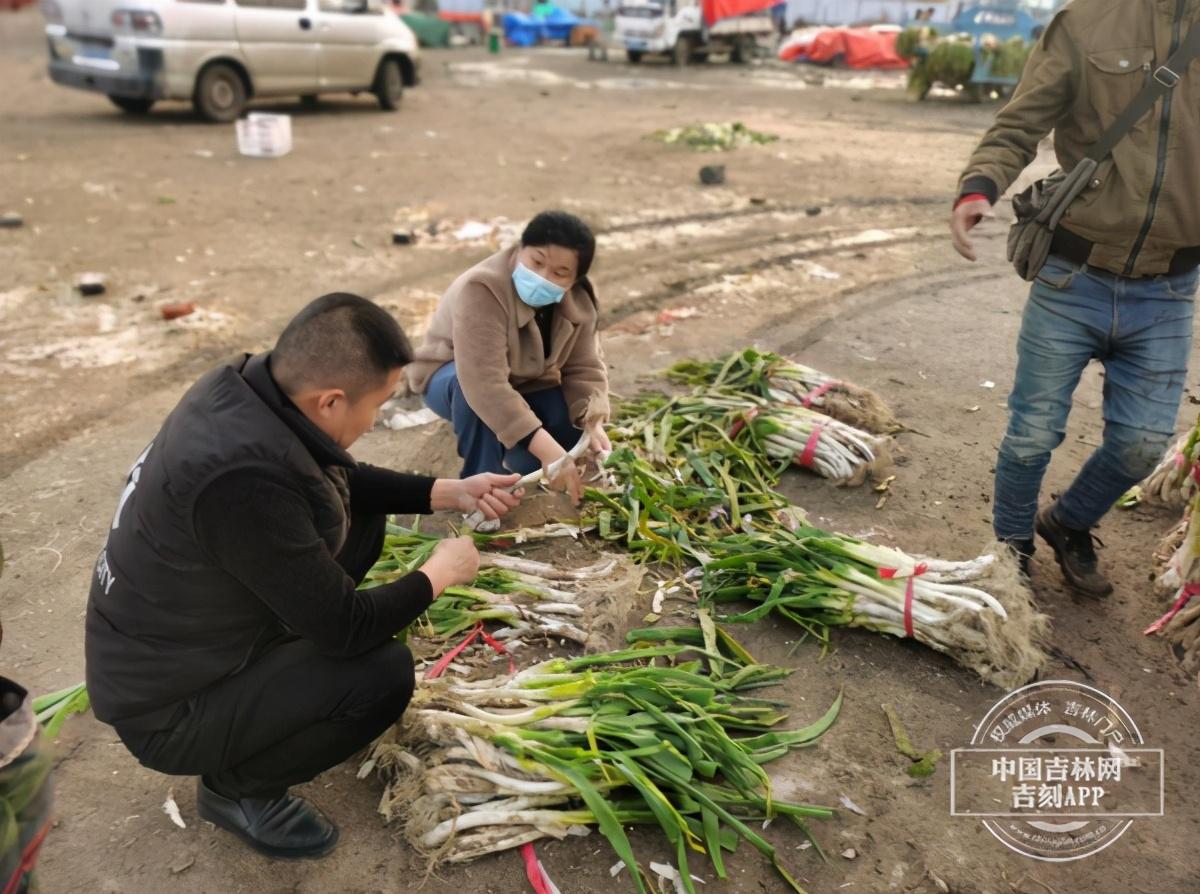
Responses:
[781,380]
[751,431]
[913,42]
[692,491]
[950,59]
[528,599]
[820,580]
[714,137]
[1178,556]
[662,733]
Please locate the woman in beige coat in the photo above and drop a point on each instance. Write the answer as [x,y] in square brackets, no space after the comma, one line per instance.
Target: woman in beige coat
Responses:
[512,357]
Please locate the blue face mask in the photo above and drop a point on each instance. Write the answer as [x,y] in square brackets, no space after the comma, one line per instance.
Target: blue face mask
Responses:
[534,290]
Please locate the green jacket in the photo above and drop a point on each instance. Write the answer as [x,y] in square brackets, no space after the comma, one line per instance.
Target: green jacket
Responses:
[1141,214]
[25,763]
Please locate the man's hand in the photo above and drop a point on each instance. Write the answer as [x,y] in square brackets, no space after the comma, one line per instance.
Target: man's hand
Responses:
[599,444]
[486,493]
[962,220]
[489,494]
[454,561]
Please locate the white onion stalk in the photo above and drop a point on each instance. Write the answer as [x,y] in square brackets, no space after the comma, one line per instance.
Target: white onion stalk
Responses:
[477,521]
[543,571]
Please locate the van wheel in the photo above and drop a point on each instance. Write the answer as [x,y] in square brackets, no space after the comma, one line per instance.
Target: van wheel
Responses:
[389,85]
[309,101]
[681,53]
[132,105]
[220,93]
[634,56]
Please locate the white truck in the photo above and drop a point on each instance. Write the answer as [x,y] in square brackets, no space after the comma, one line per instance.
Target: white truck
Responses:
[692,30]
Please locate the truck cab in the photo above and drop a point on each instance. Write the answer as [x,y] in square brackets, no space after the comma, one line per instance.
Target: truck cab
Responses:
[691,30]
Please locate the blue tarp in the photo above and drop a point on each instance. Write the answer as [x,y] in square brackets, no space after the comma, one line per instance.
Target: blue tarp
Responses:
[525,31]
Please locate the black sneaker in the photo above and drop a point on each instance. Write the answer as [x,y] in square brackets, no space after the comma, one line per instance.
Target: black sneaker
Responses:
[1023,549]
[1076,555]
[287,827]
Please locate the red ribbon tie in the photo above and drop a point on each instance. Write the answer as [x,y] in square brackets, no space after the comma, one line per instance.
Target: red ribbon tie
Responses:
[819,391]
[890,574]
[1185,596]
[805,459]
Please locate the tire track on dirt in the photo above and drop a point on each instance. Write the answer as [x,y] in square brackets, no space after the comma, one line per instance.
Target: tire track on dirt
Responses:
[673,290]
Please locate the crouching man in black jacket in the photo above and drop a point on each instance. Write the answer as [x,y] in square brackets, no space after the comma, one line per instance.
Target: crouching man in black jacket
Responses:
[225,636]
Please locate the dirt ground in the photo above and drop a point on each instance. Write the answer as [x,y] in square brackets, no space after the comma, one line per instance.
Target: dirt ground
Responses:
[867,287]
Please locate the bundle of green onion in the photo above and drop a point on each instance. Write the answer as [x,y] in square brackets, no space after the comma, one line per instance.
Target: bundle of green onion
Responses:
[53,709]
[1178,557]
[820,580]
[781,380]
[660,733]
[688,493]
[528,599]
[747,428]
[1171,483]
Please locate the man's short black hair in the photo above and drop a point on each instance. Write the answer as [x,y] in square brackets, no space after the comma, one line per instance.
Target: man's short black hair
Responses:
[565,230]
[339,341]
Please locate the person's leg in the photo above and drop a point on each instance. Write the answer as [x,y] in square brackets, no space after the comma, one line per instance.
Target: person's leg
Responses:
[1144,377]
[1063,327]
[478,446]
[284,719]
[550,406]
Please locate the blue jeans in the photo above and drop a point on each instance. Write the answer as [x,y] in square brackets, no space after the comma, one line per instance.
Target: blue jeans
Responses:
[480,449]
[1141,330]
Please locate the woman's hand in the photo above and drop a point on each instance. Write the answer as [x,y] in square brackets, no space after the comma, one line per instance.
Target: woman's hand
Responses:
[454,561]
[487,493]
[599,444]
[567,478]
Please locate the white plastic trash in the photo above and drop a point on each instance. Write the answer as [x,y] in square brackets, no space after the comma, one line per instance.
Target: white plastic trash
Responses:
[264,135]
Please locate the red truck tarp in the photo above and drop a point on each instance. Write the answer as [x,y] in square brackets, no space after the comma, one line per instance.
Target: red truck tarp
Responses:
[716,10]
[853,47]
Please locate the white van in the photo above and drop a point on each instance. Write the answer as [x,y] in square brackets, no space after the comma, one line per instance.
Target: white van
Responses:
[221,53]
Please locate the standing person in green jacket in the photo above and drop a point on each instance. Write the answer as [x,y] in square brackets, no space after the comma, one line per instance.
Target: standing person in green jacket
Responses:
[1120,281]
[512,357]
[226,636]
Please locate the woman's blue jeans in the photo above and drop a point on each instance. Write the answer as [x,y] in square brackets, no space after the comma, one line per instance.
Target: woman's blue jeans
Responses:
[1141,330]
[480,449]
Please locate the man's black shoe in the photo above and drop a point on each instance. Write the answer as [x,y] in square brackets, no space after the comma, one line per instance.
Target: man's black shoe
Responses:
[287,827]
[1075,553]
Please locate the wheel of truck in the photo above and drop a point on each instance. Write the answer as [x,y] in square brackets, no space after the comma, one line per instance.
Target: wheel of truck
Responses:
[220,93]
[634,56]
[309,101]
[681,53]
[132,105]
[389,85]
[743,49]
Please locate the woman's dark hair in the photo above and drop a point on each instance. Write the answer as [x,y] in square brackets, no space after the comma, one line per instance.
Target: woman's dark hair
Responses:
[339,341]
[565,230]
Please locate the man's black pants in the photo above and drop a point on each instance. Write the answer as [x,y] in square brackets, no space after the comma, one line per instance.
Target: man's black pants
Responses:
[292,713]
